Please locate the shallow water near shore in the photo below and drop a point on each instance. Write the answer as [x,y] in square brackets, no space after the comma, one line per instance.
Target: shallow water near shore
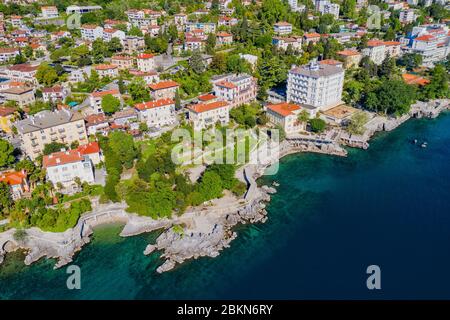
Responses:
[331,218]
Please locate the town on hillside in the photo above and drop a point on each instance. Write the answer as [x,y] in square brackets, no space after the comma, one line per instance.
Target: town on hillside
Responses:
[90,94]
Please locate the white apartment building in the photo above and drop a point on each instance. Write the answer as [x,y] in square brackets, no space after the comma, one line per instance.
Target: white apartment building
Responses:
[49,12]
[91,32]
[21,73]
[82,9]
[65,166]
[157,113]
[107,70]
[282,28]
[407,16]
[109,34]
[132,44]
[145,62]
[285,42]
[53,94]
[203,115]
[376,51]
[7,54]
[46,127]
[326,7]
[430,41]
[295,7]
[285,115]
[235,89]
[316,85]
[206,27]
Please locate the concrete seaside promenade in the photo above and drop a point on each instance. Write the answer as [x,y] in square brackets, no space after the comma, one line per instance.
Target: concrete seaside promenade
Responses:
[207,229]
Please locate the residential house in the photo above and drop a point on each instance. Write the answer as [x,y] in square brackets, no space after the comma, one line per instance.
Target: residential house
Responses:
[46,127]
[164,89]
[95,99]
[285,115]
[17,182]
[157,113]
[145,62]
[282,28]
[203,115]
[23,96]
[235,89]
[107,70]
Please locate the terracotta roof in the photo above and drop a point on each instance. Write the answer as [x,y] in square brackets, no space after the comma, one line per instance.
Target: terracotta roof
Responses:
[426,37]
[154,104]
[348,53]
[91,147]
[105,67]
[284,109]
[163,85]
[414,79]
[5,111]
[145,56]
[375,43]
[224,34]
[8,50]
[331,62]
[89,26]
[283,23]
[52,89]
[94,119]
[100,94]
[121,58]
[203,107]
[226,84]
[207,97]
[62,157]
[13,177]
[391,43]
[311,35]
[23,67]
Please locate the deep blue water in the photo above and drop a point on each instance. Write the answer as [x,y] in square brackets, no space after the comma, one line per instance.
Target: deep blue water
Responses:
[331,218]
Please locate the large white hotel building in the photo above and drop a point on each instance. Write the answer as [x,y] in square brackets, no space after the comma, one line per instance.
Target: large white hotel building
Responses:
[316,86]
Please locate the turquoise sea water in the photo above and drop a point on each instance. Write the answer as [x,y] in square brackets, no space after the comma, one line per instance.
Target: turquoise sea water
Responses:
[331,218]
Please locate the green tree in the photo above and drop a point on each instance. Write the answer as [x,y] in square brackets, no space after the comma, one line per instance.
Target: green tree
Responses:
[54,147]
[196,62]
[6,153]
[210,43]
[5,198]
[317,125]
[46,75]
[357,122]
[122,144]
[410,61]
[390,97]
[138,90]
[349,8]
[110,104]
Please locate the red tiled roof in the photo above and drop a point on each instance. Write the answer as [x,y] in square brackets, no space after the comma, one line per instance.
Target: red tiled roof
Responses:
[284,109]
[62,157]
[224,34]
[105,67]
[5,111]
[95,119]
[207,97]
[145,56]
[414,79]
[348,53]
[52,89]
[13,177]
[311,35]
[203,107]
[91,147]
[330,62]
[426,37]
[391,43]
[226,84]
[163,85]
[375,43]
[154,104]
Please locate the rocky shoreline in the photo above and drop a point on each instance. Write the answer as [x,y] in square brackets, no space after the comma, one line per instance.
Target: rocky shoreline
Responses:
[201,231]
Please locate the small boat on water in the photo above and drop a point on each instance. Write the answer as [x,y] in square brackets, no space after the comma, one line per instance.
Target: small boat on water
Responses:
[424,145]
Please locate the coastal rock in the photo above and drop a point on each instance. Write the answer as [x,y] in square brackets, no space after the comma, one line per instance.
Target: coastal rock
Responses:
[149,249]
